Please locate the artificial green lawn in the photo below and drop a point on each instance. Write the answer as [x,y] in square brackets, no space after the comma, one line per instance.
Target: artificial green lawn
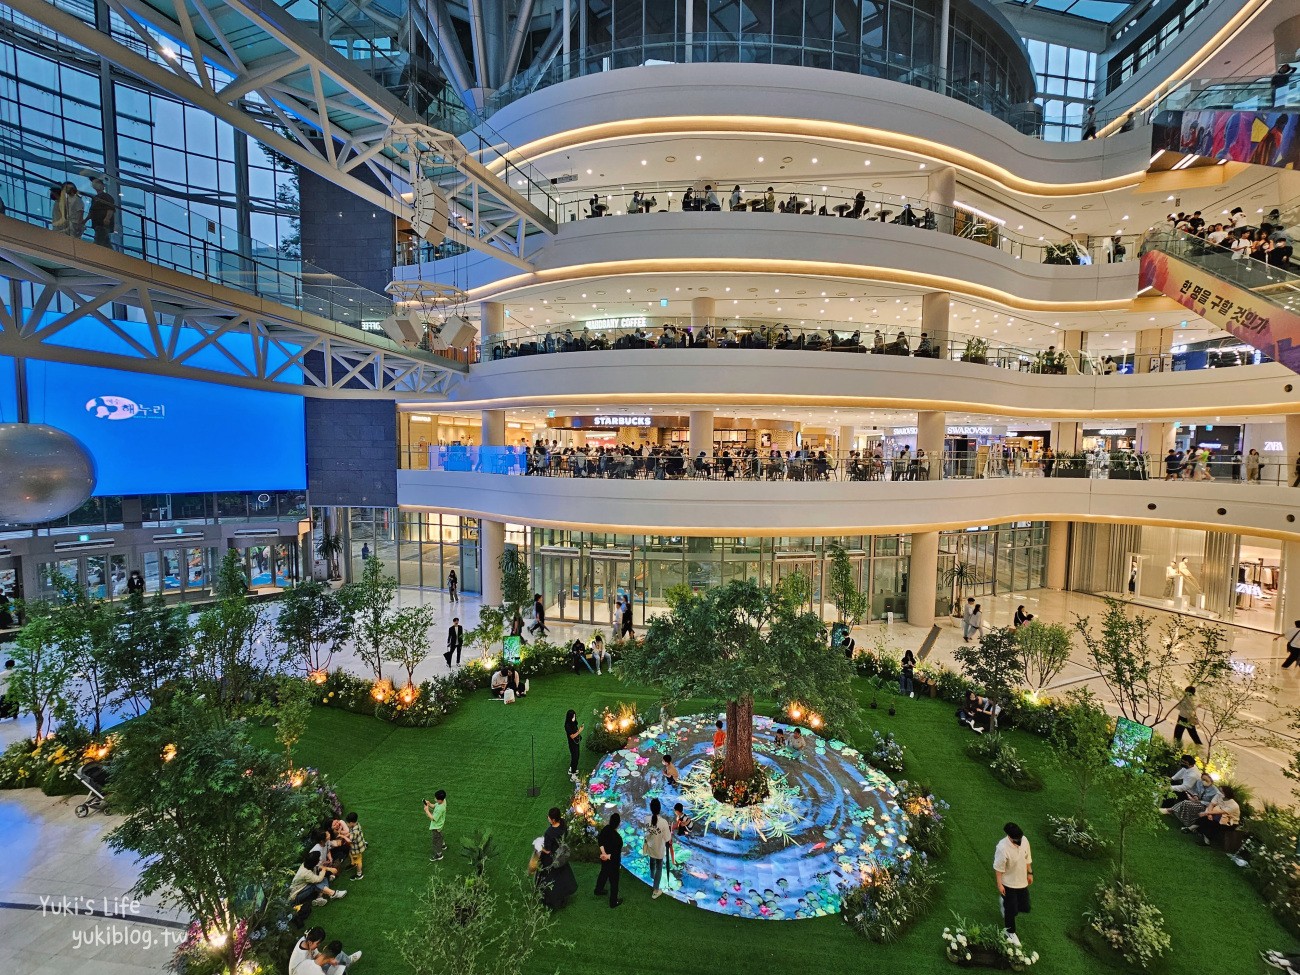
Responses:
[481,757]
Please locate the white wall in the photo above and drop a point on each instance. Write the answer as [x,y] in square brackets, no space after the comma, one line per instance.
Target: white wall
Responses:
[754,377]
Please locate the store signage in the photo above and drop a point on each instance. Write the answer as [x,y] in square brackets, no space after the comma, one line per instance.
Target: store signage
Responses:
[965,431]
[621,421]
[1274,445]
[1114,433]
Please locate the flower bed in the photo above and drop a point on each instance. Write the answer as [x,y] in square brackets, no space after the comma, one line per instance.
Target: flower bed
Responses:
[972,945]
[1128,924]
[612,726]
[1270,853]
[886,753]
[927,817]
[1075,836]
[1004,763]
[891,898]
[752,791]
[49,765]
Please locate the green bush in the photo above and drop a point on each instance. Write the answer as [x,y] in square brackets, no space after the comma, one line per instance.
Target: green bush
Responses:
[1270,852]
[928,818]
[891,899]
[611,727]
[1129,923]
[1075,836]
[1004,762]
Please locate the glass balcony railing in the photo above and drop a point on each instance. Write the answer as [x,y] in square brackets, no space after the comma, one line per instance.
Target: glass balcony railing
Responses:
[889,463]
[1235,94]
[809,199]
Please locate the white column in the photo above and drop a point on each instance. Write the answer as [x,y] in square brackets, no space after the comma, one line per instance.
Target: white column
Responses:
[931,426]
[922,578]
[702,312]
[1058,552]
[1067,437]
[1292,447]
[492,542]
[701,432]
[1288,605]
[941,193]
[494,428]
[941,60]
[1286,41]
[1151,342]
[936,306]
[492,320]
[846,441]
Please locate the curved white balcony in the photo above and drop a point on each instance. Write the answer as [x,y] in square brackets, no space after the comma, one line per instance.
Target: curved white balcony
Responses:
[749,508]
[764,100]
[759,377]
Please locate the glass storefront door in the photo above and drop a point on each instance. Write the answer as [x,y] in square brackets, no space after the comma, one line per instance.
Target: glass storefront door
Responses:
[611,577]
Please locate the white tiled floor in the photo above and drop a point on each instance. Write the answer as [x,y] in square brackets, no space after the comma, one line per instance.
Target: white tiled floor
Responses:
[53,854]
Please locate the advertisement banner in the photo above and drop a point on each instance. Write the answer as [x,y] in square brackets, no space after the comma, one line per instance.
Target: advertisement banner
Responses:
[1272,330]
[1264,138]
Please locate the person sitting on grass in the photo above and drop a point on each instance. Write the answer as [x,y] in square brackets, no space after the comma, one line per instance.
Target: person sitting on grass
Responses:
[311,883]
[599,653]
[515,682]
[1222,814]
[499,682]
[309,958]
[1201,794]
[968,711]
[1182,781]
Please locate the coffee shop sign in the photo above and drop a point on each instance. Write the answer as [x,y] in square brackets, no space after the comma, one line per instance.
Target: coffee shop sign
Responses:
[620,421]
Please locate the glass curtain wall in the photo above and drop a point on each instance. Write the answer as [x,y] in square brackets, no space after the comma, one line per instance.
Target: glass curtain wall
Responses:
[1066,83]
[1004,558]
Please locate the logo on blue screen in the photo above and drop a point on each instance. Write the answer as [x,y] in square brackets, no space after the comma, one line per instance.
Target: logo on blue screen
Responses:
[121,408]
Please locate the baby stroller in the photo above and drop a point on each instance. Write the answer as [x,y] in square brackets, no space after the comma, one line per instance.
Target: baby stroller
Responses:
[94,777]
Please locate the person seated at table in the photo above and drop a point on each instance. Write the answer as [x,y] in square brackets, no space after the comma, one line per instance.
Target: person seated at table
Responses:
[855,340]
[499,682]
[667,338]
[924,349]
[598,209]
[637,203]
[878,343]
[736,202]
[728,465]
[724,338]
[702,466]
[859,204]
[1199,796]
[785,339]
[1222,814]
[711,199]
[901,342]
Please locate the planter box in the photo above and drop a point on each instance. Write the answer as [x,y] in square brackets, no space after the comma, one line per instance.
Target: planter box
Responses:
[980,959]
[1127,475]
[1069,472]
[979,360]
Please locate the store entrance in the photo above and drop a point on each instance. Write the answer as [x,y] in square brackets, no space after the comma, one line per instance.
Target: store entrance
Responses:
[610,577]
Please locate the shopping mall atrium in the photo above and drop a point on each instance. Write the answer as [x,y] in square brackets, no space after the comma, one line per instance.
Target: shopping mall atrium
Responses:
[607,302]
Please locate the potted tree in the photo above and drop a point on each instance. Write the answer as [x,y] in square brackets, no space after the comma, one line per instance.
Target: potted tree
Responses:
[977,351]
[958,576]
[849,601]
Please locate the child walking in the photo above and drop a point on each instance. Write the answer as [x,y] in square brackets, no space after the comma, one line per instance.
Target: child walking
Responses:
[358,844]
[437,813]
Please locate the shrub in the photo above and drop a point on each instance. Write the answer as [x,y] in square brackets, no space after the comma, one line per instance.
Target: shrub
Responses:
[1039,716]
[951,686]
[612,726]
[892,898]
[582,825]
[1076,836]
[1129,923]
[1004,762]
[48,765]
[927,815]
[878,662]
[966,943]
[886,753]
[1270,851]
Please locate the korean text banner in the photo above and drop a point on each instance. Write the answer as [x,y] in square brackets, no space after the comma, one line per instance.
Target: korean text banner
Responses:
[1272,330]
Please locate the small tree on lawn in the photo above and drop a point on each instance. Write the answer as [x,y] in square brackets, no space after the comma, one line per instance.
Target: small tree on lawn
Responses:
[1203,647]
[212,819]
[1081,744]
[995,664]
[369,603]
[146,650]
[734,642]
[516,588]
[849,601]
[1045,648]
[1224,705]
[84,627]
[291,711]
[475,926]
[1134,805]
[406,639]
[488,632]
[42,670]
[226,641]
[1135,668]
[312,625]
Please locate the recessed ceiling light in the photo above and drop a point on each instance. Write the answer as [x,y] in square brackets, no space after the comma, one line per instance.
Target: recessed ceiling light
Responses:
[923,165]
[760,158]
[698,158]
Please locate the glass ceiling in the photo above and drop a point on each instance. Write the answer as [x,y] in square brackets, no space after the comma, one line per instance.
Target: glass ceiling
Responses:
[1101,11]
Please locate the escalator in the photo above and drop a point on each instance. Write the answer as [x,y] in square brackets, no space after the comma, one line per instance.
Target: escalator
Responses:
[1208,122]
[1257,302]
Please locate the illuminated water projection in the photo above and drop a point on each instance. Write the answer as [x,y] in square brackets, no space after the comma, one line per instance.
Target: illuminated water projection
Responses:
[829,818]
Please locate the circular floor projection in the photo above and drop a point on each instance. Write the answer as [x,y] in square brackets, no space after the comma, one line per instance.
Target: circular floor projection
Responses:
[830,817]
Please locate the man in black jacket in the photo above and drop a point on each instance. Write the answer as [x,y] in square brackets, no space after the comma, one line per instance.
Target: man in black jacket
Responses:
[611,858]
[455,640]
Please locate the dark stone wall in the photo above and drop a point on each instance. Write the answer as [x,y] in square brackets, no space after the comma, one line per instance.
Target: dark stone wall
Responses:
[343,234]
[352,452]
